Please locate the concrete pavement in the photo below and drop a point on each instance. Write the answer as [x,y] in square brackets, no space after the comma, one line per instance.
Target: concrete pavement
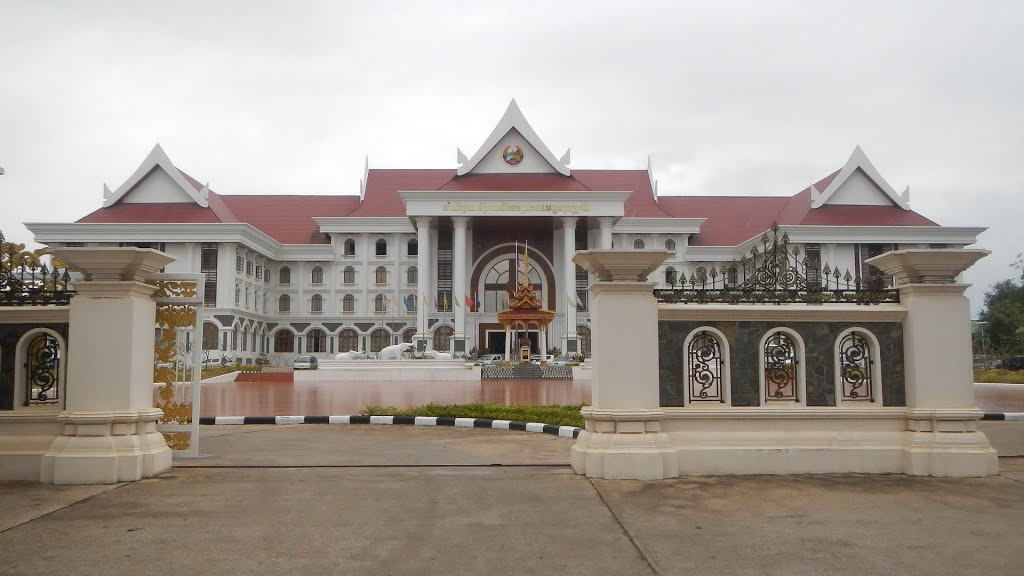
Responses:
[321,499]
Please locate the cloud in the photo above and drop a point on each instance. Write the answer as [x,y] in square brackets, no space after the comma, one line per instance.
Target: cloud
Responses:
[728,98]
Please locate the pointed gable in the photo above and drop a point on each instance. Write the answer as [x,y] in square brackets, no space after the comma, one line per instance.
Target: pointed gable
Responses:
[157,181]
[513,148]
[859,184]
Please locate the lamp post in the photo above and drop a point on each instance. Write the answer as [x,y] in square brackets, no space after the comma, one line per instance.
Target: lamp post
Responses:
[984,356]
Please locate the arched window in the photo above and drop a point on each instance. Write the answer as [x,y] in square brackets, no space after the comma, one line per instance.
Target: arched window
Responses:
[707,366]
[210,336]
[348,340]
[316,341]
[316,304]
[380,303]
[412,276]
[583,333]
[638,244]
[858,374]
[284,304]
[381,248]
[349,276]
[408,334]
[500,280]
[670,276]
[284,276]
[781,374]
[348,303]
[379,338]
[238,295]
[670,244]
[40,354]
[350,247]
[284,341]
[381,275]
[318,275]
[413,248]
[702,275]
[443,338]
[411,303]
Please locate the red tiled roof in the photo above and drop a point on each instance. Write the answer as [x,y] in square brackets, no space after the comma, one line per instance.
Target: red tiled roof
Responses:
[641,204]
[518,182]
[151,214]
[865,216]
[732,220]
[286,218]
[382,186]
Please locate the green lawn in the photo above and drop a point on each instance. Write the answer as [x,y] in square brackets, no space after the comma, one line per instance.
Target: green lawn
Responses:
[560,414]
[999,375]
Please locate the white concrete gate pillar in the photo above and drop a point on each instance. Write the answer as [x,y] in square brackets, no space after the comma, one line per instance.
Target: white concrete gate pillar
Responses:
[109,420]
[623,437]
[943,439]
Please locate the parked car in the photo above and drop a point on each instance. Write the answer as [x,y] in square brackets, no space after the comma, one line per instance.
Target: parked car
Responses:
[1013,363]
[536,358]
[491,359]
[215,361]
[563,361]
[305,363]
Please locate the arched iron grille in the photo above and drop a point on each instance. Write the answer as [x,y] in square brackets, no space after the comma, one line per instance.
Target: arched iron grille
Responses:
[705,369]
[780,369]
[43,371]
[855,363]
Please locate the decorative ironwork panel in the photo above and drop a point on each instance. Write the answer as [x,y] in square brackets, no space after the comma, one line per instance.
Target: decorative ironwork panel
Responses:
[780,369]
[25,280]
[179,305]
[704,356]
[776,273]
[855,363]
[43,371]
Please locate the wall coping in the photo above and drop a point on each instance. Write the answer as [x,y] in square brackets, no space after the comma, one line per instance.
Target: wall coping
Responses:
[784,312]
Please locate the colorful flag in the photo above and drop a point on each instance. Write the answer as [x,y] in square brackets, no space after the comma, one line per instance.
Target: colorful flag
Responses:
[444,302]
[570,299]
[426,301]
[394,300]
[409,301]
[457,303]
[435,304]
[476,303]
[469,303]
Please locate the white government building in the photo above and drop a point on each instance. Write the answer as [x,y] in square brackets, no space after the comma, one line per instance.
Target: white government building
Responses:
[427,256]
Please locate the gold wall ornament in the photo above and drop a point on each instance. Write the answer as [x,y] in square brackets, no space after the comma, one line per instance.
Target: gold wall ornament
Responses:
[177,440]
[175,289]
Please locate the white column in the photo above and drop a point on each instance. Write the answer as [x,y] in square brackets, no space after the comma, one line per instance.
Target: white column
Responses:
[942,416]
[570,345]
[605,223]
[542,339]
[624,437]
[109,420]
[508,344]
[459,281]
[423,279]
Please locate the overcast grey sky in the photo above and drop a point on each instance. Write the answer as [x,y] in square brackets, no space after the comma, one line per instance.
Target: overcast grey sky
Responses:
[727,97]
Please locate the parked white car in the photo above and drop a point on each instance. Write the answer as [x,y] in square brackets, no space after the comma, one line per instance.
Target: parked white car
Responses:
[491,359]
[536,358]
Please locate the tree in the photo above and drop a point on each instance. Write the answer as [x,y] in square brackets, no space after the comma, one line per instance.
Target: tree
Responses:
[1003,313]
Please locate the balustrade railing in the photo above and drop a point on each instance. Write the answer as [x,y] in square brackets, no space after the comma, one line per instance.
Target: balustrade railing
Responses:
[776,273]
[26,280]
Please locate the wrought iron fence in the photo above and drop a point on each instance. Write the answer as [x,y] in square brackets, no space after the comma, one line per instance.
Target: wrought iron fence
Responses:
[26,280]
[776,273]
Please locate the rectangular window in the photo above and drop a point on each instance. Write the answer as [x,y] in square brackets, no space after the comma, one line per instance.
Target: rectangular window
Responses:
[239,263]
[208,266]
[812,252]
[259,272]
[444,270]
[868,276]
[248,267]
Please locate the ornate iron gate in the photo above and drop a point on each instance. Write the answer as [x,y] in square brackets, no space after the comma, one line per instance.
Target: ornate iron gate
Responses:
[179,308]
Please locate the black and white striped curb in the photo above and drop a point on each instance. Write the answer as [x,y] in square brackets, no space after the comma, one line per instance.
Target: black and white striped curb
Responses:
[1003,416]
[563,431]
